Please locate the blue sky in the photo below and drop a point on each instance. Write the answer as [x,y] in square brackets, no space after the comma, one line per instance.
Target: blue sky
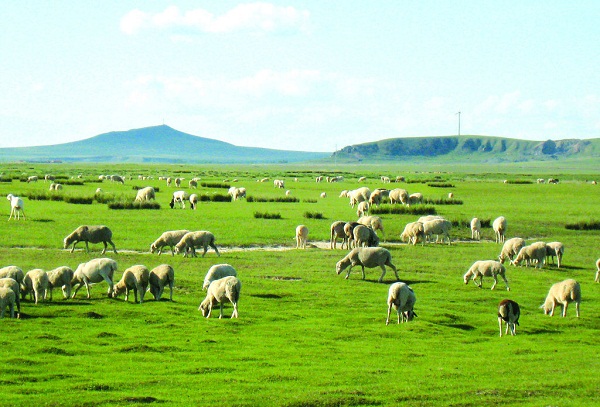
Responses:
[301,75]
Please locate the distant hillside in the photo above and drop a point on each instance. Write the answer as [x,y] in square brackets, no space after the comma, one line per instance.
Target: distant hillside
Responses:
[471,149]
[154,145]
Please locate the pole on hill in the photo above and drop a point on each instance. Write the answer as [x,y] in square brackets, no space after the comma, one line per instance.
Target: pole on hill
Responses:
[458,122]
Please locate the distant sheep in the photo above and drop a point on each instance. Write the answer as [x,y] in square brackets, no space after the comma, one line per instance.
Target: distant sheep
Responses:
[362,179]
[7,282]
[60,277]
[55,187]
[509,312]
[385,180]
[362,209]
[236,193]
[191,240]
[511,249]
[32,178]
[35,284]
[217,272]
[91,234]
[178,182]
[323,195]
[145,194]
[288,192]
[533,253]
[374,222]
[475,229]
[359,195]
[169,238]
[178,197]
[555,249]
[7,299]
[398,195]
[416,198]
[117,178]
[438,227]
[337,231]
[367,257]
[488,268]
[193,201]
[159,278]
[134,278]
[193,184]
[94,271]
[563,293]
[402,298]
[48,177]
[499,227]
[450,195]
[278,183]
[301,236]
[16,207]
[412,232]
[364,236]
[349,231]
[219,291]
[377,196]
[597,279]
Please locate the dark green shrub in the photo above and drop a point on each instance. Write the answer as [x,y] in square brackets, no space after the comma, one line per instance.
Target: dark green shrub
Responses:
[442,201]
[313,215]
[267,215]
[134,205]
[403,210]
[593,225]
[79,200]
[287,199]
[215,185]
[440,185]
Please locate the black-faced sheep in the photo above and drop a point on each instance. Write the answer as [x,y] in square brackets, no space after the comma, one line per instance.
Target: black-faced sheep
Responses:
[535,252]
[161,276]
[475,229]
[511,248]
[169,238]
[60,277]
[178,196]
[145,194]
[217,272]
[337,231]
[301,236]
[412,232]
[91,234]
[509,312]
[221,290]
[35,283]
[7,299]
[134,278]
[191,240]
[488,268]
[94,271]
[11,283]
[499,227]
[402,298]
[16,207]
[367,257]
[555,249]
[563,293]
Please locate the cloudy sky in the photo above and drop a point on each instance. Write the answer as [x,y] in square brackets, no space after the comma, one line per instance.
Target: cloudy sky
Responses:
[299,75]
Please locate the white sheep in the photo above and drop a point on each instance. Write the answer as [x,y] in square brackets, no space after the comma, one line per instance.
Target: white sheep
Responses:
[145,194]
[398,195]
[563,293]
[362,179]
[94,271]
[191,240]
[193,184]
[511,248]
[362,209]
[499,227]
[178,182]
[169,181]
[374,222]
[236,193]
[159,277]
[555,249]
[11,283]
[416,198]
[597,278]
[217,272]
[134,278]
[169,238]
[377,196]
[509,312]
[288,192]
[60,277]
[99,191]
[488,268]
[301,236]
[178,196]
[535,252]
[279,183]
[91,234]
[14,272]
[359,195]
[428,218]
[364,236]
[438,227]
[337,231]
[450,195]
[412,232]
[48,177]
[35,283]
[323,195]
[385,180]
[475,229]
[344,194]
[55,187]
[226,288]
[7,299]
[32,178]
[402,298]
[193,201]
[16,207]
[367,257]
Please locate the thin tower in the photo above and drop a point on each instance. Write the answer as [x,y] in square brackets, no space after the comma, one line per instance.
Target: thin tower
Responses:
[458,122]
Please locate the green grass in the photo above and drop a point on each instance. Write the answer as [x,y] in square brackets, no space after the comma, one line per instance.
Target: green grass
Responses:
[305,336]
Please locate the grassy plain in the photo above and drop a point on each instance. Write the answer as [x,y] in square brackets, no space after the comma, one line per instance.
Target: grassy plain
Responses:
[305,336]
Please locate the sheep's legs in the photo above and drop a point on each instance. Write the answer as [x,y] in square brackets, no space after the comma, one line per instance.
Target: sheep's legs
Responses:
[113,246]
[382,273]
[387,321]
[577,309]
[500,326]
[105,247]
[495,282]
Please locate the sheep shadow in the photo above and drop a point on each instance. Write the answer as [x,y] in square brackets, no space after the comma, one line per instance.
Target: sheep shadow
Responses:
[267,296]
[389,282]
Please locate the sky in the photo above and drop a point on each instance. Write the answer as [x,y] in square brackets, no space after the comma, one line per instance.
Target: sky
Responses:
[299,75]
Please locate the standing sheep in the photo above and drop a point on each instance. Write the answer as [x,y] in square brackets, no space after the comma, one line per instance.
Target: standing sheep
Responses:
[402,298]
[91,234]
[499,227]
[11,283]
[416,198]
[16,207]
[475,229]
[534,252]
[35,284]
[509,312]
[323,195]
[13,272]
[437,227]
[563,293]
[413,231]
[597,278]
[364,236]
[217,272]
[349,231]
[7,299]
[337,231]
[490,268]
[555,249]
[301,236]
[226,288]
[178,196]
[369,257]
[191,240]
[134,278]
[193,201]
[94,271]
[511,248]
[193,184]
[159,277]
[374,222]
[362,209]
[60,277]
[169,238]
[398,195]
[359,195]
[145,194]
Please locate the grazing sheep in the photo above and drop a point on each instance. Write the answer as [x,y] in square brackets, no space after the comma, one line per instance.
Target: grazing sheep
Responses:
[91,234]
[398,195]
[385,180]
[563,293]
[236,193]
[499,227]
[534,252]
[597,278]
[429,218]
[94,271]
[359,195]
[402,298]
[349,231]
[377,196]
[217,272]
[475,229]
[364,236]
[178,196]
[60,277]
[509,312]
[450,195]
[278,183]
[159,277]
[134,278]
[32,178]
[344,194]
[145,194]
[319,178]
[99,191]
[191,240]
[362,209]
[301,236]
[16,207]
[193,184]
[117,178]
[13,272]
[48,177]
[35,283]
[367,257]
[7,299]
[11,283]
[193,201]
[489,268]
[169,238]
[362,179]
[323,195]
[400,178]
[416,198]
[510,249]
[55,187]
[374,222]
[437,227]
[555,249]
[226,288]
[337,231]
[412,232]
[169,181]
[178,182]
[288,193]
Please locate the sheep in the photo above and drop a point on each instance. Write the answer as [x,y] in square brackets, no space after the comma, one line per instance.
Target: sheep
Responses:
[11,283]
[364,236]
[190,240]
[159,277]
[117,178]
[134,278]
[349,231]
[278,183]
[319,178]
[169,181]
[400,178]
[32,178]
[226,288]
[486,268]
[60,277]
[236,193]
[217,272]
[16,207]
[288,192]
[7,299]
[398,195]
[555,249]
[402,298]
[475,229]
[563,293]
[362,209]
[145,194]
[99,191]
[178,196]
[193,184]
[377,196]
[94,271]
[358,195]
[362,179]
[367,257]
[534,252]
[91,234]
[597,279]
[412,232]
[169,238]
[48,177]
[337,230]
[193,201]
[35,284]
[416,198]
[55,187]
[13,272]
[428,218]
[450,195]
[374,222]
[178,182]
[509,312]
[438,227]
[301,236]
[323,195]
[344,194]
[499,227]
[510,249]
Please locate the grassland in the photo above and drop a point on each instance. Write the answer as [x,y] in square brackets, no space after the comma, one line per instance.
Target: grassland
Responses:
[305,336]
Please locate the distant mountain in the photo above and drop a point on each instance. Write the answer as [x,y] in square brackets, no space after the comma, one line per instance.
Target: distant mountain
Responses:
[469,149]
[153,145]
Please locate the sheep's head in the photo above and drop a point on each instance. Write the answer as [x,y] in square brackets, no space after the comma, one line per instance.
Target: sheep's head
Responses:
[341,265]
[172,203]
[409,315]
[467,275]
[204,307]
[152,248]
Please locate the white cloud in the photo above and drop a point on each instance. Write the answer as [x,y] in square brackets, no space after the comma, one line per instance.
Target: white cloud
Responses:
[133,21]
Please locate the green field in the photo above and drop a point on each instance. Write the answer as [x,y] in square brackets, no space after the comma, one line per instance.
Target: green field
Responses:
[305,336]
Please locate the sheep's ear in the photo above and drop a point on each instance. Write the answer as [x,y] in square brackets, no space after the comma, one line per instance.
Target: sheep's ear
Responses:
[414,314]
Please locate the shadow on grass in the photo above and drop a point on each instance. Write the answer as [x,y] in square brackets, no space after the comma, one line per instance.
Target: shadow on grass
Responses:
[267,296]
